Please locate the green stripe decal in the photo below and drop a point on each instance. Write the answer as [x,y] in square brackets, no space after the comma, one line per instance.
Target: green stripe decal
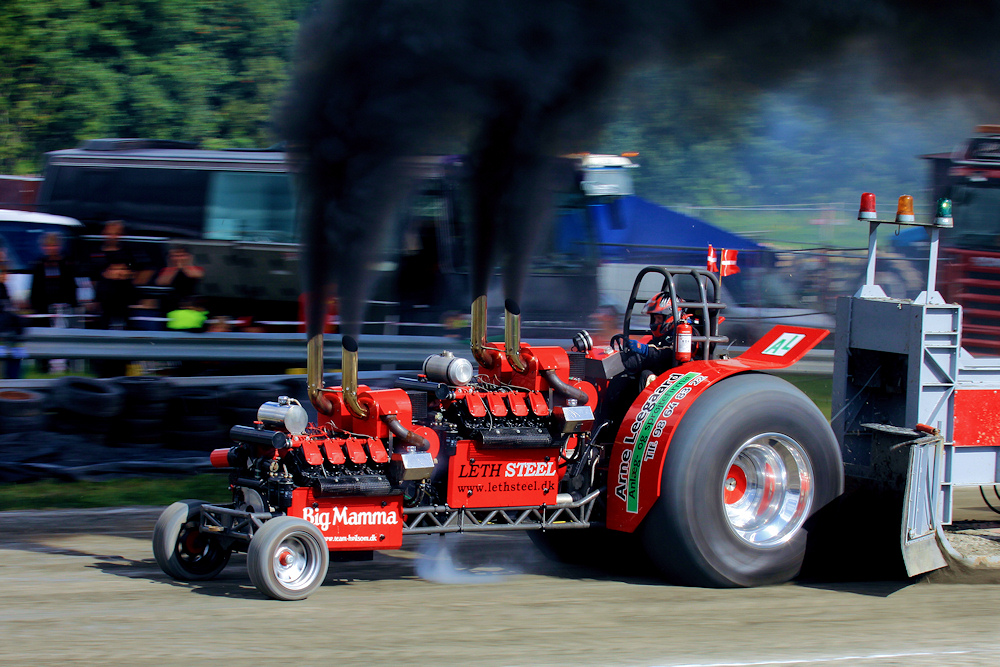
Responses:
[642,438]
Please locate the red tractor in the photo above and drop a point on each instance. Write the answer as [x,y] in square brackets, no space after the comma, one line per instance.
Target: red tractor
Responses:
[712,465]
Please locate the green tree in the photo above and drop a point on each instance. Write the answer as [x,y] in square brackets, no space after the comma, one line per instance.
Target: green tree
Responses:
[687,131]
[198,70]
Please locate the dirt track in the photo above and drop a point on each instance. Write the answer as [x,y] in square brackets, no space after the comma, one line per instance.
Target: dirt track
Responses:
[98,596]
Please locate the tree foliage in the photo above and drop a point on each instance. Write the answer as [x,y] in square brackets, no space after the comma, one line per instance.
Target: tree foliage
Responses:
[211,71]
[822,134]
[197,70]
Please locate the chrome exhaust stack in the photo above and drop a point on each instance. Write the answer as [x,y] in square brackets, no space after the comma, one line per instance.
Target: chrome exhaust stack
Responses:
[314,375]
[512,335]
[349,378]
[483,355]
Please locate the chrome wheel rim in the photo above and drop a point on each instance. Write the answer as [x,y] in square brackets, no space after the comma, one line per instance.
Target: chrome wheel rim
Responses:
[294,564]
[767,490]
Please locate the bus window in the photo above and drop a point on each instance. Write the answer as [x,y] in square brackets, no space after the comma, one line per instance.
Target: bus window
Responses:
[148,200]
[80,193]
[159,200]
[977,217]
[250,206]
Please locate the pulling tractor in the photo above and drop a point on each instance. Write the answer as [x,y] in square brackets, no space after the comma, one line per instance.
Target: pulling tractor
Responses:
[711,469]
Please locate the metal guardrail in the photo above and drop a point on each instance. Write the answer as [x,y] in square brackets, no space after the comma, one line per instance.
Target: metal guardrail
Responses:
[401,352]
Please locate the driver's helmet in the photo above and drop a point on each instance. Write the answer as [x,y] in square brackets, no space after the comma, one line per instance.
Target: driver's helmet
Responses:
[660,304]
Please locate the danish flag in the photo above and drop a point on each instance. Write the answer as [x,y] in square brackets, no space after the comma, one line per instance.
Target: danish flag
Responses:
[728,263]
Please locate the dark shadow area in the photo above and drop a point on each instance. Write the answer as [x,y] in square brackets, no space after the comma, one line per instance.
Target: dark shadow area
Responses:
[856,538]
[490,559]
[878,589]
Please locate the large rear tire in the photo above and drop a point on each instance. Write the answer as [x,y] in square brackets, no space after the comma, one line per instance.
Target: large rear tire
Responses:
[288,558]
[181,550]
[749,462]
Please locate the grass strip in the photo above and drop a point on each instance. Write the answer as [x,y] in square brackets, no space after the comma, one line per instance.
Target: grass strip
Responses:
[54,494]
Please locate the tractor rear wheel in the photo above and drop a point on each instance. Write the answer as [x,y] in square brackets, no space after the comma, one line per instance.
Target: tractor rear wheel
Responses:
[288,558]
[750,461]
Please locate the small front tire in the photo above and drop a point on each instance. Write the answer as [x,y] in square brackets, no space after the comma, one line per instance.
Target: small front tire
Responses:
[288,558]
[181,550]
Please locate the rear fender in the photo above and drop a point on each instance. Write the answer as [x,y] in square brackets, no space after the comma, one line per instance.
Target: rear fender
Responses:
[636,464]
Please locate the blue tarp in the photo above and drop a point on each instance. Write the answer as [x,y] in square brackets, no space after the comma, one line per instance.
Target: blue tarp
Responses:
[621,227]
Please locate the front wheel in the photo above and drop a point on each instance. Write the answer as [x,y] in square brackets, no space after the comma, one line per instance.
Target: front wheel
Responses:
[181,550]
[288,558]
[750,461]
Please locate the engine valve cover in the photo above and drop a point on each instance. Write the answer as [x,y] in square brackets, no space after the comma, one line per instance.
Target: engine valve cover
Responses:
[512,437]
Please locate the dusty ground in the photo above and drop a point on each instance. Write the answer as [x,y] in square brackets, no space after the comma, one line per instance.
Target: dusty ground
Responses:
[97,596]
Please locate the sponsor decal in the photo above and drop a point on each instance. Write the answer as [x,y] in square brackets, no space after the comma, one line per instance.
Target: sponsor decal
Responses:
[502,478]
[783,344]
[352,523]
[343,516]
[497,474]
[505,487]
[645,432]
[512,469]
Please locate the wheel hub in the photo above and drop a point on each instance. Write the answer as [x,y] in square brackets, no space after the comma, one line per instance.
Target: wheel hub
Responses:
[736,484]
[292,564]
[767,490]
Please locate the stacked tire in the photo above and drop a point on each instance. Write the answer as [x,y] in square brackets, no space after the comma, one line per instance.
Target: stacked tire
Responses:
[194,423]
[240,403]
[145,401]
[21,411]
[85,406]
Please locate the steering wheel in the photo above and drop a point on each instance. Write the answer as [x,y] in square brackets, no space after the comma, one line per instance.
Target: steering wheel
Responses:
[619,342]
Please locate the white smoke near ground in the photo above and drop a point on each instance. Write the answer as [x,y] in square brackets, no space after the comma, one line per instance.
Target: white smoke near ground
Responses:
[439,560]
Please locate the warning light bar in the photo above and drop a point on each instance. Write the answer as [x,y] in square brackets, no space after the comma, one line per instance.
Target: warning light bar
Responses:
[867,210]
[904,210]
[943,217]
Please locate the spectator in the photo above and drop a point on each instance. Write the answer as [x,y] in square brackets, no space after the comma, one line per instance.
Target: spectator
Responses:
[10,326]
[247,324]
[181,275]
[189,315]
[53,282]
[455,324]
[218,324]
[115,271]
[53,291]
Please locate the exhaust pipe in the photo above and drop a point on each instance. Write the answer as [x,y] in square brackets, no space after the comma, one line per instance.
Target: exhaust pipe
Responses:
[512,336]
[480,352]
[314,374]
[411,438]
[349,378]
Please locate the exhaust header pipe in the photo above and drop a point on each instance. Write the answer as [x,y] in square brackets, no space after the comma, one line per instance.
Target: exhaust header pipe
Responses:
[512,335]
[314,374]
[480,352]
[349,378]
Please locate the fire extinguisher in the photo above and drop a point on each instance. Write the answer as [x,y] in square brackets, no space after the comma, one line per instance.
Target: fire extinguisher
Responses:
[682,343]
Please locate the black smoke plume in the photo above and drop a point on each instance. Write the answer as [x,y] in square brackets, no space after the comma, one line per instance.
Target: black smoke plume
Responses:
[513,82]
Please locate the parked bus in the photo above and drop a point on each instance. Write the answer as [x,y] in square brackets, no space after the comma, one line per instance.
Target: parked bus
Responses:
[236,211]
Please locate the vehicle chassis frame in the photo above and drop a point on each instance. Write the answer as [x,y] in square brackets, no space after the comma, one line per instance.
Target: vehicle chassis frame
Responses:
[228,522]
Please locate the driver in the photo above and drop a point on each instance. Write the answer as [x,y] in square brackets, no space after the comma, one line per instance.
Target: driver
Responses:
[656,356]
